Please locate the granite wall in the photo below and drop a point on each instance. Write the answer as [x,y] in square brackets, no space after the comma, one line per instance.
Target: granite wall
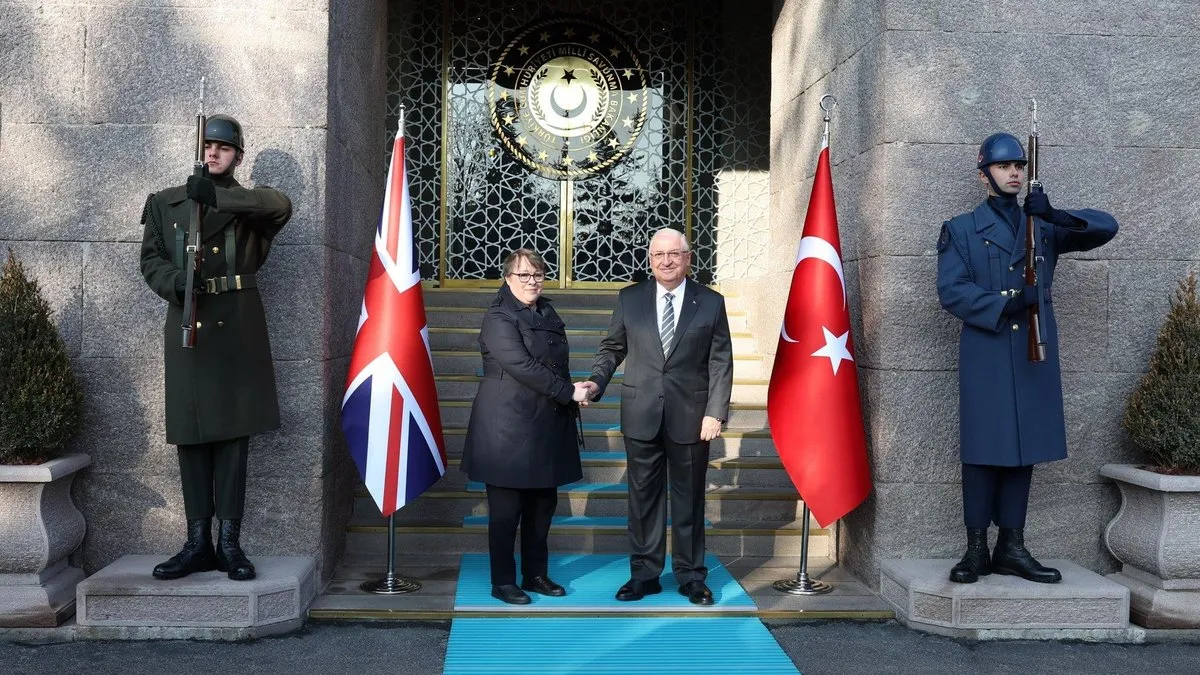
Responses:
[920,83]
[96,111]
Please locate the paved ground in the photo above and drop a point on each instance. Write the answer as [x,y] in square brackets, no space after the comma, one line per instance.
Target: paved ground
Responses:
[417,648]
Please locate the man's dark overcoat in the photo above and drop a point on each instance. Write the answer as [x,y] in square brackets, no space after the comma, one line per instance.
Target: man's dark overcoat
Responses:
[522,428]
[1010,409]
[224,387]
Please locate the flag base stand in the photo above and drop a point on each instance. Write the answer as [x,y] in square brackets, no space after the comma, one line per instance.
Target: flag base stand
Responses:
[803,584]
[391,583]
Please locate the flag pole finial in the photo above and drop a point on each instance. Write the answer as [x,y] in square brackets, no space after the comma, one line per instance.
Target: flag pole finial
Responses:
[828,103]
[400,122]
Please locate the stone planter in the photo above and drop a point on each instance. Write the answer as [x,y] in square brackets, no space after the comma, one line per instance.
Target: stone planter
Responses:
[39,527]
[1156,536]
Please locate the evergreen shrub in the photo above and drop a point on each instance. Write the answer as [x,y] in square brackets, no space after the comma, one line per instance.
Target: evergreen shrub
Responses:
[40,400]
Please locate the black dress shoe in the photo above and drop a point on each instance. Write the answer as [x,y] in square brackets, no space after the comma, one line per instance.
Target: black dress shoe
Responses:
[636,589]
[697,593]
[543,585]
[511,594]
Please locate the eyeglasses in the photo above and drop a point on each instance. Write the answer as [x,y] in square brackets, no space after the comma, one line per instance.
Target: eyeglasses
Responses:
[526,277]
[669,255]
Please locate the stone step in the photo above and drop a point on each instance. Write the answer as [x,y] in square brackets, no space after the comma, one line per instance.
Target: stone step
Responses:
[741,504]
[467,340]
[123,600]
[1008,607]
[610,467]
[723,539]
[608,411]
[733,442]
[579,318]
[585,340]
[482,297]
[343,599]
[465,386]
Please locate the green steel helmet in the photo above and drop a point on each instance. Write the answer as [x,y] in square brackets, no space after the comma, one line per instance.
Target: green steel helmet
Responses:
[224,129]
[1001,147]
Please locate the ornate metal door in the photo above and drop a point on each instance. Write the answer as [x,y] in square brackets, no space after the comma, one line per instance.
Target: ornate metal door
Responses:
[570,134]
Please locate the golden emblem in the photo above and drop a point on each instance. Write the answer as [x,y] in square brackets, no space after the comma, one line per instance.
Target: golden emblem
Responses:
[567,98]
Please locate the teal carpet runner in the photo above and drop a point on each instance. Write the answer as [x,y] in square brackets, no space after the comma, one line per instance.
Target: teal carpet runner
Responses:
[591,632]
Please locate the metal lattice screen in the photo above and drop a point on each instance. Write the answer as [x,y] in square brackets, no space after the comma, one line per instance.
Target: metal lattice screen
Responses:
[442,52]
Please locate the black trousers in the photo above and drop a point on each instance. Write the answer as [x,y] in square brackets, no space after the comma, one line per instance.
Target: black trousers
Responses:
[995,494]
[214,478]
[654,468]
[529,508]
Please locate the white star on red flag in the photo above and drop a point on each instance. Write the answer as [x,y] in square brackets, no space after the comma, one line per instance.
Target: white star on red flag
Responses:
[835,349]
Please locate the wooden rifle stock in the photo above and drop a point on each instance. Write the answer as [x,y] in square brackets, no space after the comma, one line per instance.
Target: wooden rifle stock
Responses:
[1037,346]
[193,262]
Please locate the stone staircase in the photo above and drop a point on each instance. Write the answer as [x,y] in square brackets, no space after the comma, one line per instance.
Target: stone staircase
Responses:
[752,508]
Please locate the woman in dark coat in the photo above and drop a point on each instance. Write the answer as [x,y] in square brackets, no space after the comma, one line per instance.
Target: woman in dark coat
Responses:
[521,438]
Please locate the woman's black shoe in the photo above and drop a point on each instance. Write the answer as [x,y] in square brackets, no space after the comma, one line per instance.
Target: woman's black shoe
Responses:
[543,585]
[511,594]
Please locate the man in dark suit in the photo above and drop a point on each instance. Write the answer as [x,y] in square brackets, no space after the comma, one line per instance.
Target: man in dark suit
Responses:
[673,335]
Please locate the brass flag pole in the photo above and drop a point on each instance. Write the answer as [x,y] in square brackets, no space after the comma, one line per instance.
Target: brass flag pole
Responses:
[803,584]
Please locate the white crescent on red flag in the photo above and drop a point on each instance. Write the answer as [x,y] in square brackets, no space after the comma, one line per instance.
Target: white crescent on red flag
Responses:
[813,404]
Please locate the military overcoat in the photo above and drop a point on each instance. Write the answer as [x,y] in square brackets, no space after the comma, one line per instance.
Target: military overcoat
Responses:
[1010,409]
[522,428]
[224,387]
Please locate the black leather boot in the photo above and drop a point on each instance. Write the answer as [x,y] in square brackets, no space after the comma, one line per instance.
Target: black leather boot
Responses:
[229,551]
[197,554]
[1011,557]
[975,562]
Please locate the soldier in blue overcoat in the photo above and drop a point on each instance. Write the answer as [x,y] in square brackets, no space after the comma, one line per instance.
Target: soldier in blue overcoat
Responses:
[1010,408]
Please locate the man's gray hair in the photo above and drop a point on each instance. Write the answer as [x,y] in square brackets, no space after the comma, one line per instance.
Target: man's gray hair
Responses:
[682,237]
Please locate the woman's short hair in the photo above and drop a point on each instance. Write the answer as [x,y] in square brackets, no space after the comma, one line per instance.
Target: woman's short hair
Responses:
[535,260]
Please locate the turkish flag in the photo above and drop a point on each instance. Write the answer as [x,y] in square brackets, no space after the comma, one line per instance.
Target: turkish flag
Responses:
[813,404]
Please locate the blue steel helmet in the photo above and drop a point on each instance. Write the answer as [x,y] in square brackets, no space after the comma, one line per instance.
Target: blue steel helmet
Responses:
[224,129]
[1001,147]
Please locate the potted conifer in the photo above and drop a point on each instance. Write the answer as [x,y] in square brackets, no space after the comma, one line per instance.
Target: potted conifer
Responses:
[40,409]
[1156,533]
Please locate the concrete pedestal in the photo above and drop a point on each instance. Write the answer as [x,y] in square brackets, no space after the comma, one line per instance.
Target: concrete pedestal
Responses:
[1155,603]
[1084,605]
[43,599]
[124,600]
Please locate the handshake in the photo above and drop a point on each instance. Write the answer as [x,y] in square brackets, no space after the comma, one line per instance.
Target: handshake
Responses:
[584,391]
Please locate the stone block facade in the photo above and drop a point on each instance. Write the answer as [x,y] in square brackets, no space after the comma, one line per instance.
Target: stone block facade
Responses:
[919,84]
[97,108]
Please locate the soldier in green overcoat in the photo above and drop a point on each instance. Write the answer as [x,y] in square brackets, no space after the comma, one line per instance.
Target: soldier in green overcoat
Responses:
[221,390]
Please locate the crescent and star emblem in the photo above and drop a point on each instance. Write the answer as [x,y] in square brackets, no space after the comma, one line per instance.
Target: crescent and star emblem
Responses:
[835,345]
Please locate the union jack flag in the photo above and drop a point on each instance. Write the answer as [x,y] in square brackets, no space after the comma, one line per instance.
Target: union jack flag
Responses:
[390,413]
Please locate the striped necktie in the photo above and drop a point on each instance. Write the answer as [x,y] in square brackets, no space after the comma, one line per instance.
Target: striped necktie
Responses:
[667,333]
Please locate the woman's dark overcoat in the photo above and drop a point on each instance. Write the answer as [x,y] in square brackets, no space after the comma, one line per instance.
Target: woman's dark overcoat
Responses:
[522,428]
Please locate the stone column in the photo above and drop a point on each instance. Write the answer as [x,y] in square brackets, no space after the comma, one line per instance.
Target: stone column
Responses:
[920,84]
[97,108]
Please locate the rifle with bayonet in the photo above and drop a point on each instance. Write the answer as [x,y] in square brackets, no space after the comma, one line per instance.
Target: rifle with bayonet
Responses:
[193,261]
[1037,345]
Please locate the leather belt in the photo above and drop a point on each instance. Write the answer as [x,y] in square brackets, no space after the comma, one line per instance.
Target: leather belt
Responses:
[237,282]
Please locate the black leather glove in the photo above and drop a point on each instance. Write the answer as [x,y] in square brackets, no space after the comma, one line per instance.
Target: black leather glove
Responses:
[181,285]
[202,189]
[1038,204]
[1022,301]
